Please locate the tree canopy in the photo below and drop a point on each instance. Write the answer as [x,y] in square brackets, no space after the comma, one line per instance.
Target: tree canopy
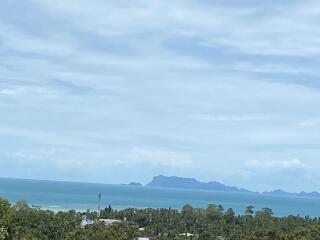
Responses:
[22,222]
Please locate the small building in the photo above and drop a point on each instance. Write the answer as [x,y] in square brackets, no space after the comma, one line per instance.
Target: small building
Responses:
[109,221]
[85,221]
[146,238]
[186,234]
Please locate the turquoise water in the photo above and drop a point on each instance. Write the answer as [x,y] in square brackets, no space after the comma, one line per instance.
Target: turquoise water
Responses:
[81,196]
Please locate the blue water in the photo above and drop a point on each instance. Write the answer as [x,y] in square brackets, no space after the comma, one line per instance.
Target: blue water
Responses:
[81,196]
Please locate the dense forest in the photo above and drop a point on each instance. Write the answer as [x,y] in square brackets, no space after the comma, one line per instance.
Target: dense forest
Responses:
[22,222]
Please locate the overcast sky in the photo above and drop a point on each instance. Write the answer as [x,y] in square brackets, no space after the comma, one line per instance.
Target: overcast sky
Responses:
[115,91]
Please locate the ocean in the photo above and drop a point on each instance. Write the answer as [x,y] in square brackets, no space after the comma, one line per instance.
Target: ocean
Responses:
[60,196]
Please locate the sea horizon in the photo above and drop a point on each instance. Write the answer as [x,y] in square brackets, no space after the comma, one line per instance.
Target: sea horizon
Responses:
[80,196]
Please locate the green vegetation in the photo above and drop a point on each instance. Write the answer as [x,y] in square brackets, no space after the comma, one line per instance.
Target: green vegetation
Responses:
[21,222]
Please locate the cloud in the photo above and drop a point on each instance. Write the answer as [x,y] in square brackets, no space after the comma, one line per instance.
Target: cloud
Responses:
[228,118]
[309,123]
[23,155]
[266,175]
[282,165]
[205,82]
[164,158]
[9,92]
[288,31]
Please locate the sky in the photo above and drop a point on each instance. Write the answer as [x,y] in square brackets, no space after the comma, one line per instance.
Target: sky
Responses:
[118,91]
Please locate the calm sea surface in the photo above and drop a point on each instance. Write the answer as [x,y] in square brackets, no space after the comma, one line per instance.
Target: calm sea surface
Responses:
[81,196]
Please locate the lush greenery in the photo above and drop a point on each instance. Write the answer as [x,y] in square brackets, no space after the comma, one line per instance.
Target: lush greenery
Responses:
[21,222]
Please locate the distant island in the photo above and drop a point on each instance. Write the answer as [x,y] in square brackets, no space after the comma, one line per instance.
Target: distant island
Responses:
[191,183]
[133,184]
[280,192]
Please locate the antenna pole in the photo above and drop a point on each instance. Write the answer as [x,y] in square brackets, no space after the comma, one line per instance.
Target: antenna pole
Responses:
[99,205]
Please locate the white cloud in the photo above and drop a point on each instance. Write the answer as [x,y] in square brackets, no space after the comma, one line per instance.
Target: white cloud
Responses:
[23,155]
[309,123]
[16,39]
[229,118]
[27,91]
[8,92]
[164,158]
[286,30]
[275,68]
[281,165]
[267,175]
[48,137]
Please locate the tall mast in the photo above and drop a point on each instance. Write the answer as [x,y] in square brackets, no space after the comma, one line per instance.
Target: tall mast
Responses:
[99,205]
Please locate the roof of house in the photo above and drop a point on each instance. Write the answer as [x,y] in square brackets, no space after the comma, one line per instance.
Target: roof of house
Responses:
[109,221]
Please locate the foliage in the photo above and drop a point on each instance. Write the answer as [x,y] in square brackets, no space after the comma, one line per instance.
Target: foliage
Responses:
[21,222]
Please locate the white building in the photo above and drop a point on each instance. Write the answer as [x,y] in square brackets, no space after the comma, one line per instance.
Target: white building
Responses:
[109,221]
[186,234]
[86,222]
